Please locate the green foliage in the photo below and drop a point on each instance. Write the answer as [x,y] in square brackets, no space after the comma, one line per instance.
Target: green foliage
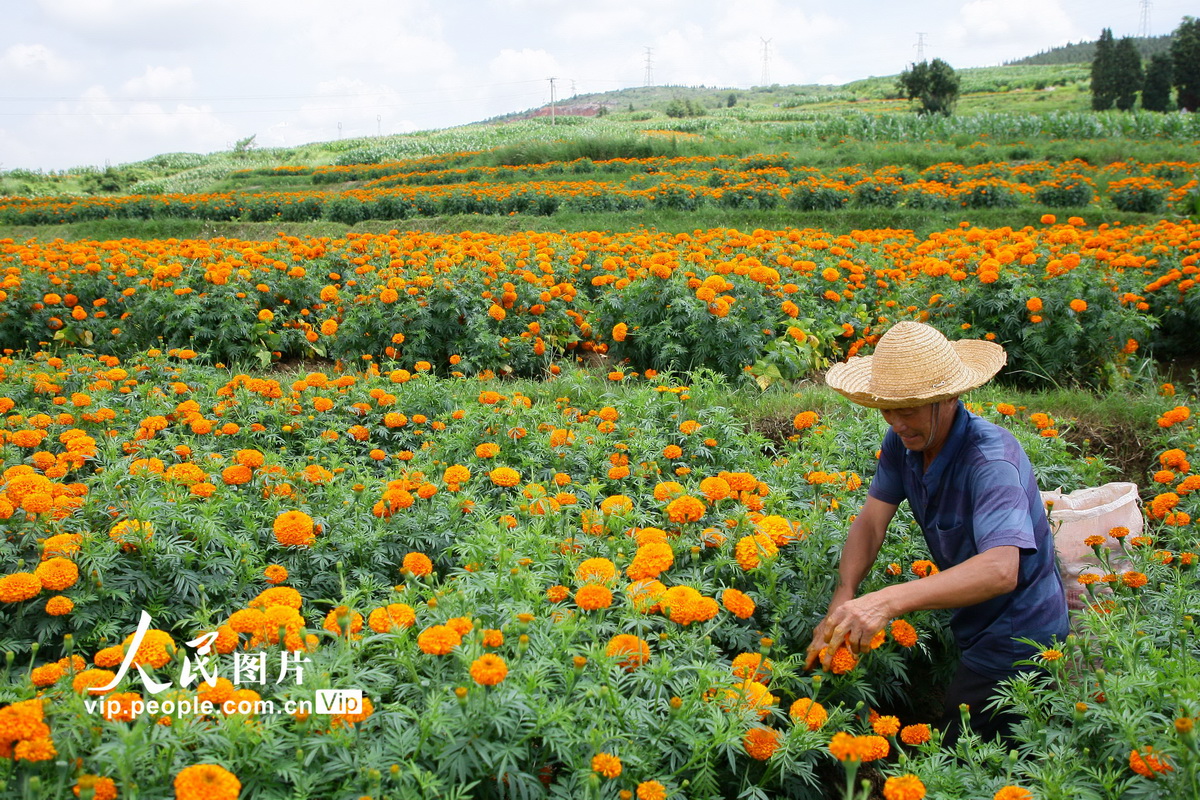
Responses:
[1105,78]
[1185,57]
[1156,89]
[934,83]
[1127,72]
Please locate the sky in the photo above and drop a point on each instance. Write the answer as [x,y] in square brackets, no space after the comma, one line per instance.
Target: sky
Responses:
[108,82]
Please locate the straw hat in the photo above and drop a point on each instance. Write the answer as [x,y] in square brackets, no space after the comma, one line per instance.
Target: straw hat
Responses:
[913,365]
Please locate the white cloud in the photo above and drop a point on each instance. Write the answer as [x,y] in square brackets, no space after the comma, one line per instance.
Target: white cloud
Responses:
[1011,22]
[36,61]
[160,81]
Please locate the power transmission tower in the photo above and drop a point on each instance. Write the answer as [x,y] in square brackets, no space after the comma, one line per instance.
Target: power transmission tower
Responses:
[552,80]
[920,45]
[1144,26]
[766,62]
[649,80]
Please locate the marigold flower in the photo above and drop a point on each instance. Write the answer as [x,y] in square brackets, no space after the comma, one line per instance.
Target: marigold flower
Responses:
[606,765]
[737,603]
[809,713]
[651,790]
[294,528]
[751,666]
[1134,580]
[417,564]
[685,509]
[596,570]
[631,651]
[805,420]
[1149,763]
[1013,793]
[488,670]
[438,640]
[19,586]
[505,476]
[275,573]
[557,593]
[102,788]
[904,633]
[915,734]
[650,561]
[593,597]
[59,605]
[760,743]
[751,550]
[391,617]
[903,787]
[886,725]
[206,782]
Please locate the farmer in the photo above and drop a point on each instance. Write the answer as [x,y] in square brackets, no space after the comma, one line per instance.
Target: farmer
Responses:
[970,487]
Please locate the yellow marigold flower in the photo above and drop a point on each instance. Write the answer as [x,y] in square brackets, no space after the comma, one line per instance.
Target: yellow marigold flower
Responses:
[606,765]
[275,573]
[488,670]
[342,621]
[650,561]
[760,743]
[206,782]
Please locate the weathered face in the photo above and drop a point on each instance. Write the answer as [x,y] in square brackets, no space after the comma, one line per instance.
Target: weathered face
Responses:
[914,425]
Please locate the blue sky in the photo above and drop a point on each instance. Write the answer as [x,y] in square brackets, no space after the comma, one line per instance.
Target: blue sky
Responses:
[95,82]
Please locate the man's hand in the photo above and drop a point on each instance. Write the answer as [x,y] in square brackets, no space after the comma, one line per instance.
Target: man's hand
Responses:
[853,623]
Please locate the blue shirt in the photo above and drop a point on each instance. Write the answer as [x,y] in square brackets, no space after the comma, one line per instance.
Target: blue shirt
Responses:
[980,493]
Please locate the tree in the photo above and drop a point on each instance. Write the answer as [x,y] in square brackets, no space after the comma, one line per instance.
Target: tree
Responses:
[934,83]
[1127,73]
[1104,91]
[1156,89]
[1185,57]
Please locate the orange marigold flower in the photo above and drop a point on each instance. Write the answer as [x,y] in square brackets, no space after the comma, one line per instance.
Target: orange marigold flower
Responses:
[651,790]
[809,713]
[904,633]
[275,573]
[417,564]
[903,787]
[391,617]
[751,666]
[57,574]
[1013,793]
[59,605]
[630,651]
[557,593]
[488,670]
[915,734]
[505,476]
[751,550]
[886,725]
[737,603]
[760,743]
[606,765]
[206,782]
[19,586]
[102,788]
[1034,304]
[596,570]
[650,561]
[294,528]
[438,640]
[593,597]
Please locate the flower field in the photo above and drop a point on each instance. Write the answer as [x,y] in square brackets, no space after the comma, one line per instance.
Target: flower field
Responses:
[564,507]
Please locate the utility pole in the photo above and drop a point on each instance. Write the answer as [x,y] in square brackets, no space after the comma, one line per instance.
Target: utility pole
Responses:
[1144,27]
[552,80]
[920,45]
[766,62]
[379,125]
[649,80]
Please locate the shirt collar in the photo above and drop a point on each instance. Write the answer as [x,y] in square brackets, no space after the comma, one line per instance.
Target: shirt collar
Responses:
[948,453]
